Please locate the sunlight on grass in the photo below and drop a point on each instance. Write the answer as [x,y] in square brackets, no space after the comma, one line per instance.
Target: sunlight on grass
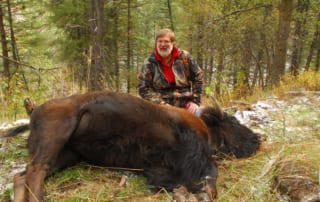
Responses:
[88,183]
[292,137]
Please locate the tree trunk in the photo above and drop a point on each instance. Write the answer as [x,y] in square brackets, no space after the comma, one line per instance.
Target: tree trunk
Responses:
[4,45]
[129,47]
[266,71]
[317,60]
[210,70]
[243,79]
[115,15]
[258,75]
[15,52]
[297,42]
[221,53]
[313,45]
[219,71]
[279,60]
[170,15]
[199,40]
[262,56]
[97,80]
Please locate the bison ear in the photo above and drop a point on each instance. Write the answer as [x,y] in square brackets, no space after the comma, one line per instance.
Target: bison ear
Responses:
[217,106]
[210,116]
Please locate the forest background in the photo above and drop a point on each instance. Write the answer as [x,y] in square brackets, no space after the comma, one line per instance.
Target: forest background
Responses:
[248,50]
[54,48]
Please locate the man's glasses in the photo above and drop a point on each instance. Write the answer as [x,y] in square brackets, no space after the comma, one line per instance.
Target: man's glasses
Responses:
[164,41]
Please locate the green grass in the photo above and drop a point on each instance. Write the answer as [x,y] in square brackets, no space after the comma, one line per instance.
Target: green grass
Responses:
[293,136]
[90,183]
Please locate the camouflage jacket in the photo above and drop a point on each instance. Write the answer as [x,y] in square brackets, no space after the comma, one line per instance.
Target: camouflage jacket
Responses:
[153,85]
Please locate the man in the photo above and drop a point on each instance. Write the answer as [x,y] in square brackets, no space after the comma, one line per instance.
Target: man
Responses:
[170,75]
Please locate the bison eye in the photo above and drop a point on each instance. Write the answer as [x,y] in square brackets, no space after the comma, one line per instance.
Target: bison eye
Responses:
[234,120]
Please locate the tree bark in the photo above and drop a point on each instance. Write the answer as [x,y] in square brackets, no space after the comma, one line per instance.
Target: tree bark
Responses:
[200,40]
[170,15]
[129,54]
[297,42]
[96,10]
[257,75]
[221,55]
[279,60]
[15,52]
[317,60]
[4,45]
[243,80]
[210,70]
[220,68]
[313,45]
[262,60]
[115,37]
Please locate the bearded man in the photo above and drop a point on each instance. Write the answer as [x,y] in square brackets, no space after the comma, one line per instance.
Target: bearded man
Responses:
[171,75]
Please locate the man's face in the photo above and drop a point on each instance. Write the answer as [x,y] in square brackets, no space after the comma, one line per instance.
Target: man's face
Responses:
[164,46]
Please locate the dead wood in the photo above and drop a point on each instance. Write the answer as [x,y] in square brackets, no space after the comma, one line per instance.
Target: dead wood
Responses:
[296,179]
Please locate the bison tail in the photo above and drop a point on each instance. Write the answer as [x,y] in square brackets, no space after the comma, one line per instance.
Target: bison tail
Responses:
[16,130]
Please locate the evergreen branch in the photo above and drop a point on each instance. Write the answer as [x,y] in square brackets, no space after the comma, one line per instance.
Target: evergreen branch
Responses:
[26,65]
[242,11]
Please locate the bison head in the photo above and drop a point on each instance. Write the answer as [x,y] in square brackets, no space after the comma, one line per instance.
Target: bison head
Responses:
[227,135]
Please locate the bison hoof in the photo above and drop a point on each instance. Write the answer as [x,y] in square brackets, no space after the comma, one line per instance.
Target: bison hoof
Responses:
[210,188]
[181,194]
[203,197]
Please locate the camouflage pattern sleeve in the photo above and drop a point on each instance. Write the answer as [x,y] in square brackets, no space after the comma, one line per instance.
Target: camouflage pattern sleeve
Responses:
[145,86]
[196,77]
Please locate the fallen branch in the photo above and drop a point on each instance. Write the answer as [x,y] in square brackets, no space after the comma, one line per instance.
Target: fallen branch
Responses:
[239,102]
[302,92]
[116,168]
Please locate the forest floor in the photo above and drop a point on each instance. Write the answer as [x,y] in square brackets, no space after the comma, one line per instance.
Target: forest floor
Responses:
[286,167]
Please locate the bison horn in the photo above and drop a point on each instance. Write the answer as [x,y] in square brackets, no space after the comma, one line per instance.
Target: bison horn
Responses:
[217,106]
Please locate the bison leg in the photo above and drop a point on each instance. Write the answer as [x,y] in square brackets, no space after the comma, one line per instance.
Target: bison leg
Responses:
[66,158]
[35,176]
[19,187]
[37,172]
[46,144]
[48,151]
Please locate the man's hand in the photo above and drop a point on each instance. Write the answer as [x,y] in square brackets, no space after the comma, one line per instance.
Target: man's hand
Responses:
[191,107]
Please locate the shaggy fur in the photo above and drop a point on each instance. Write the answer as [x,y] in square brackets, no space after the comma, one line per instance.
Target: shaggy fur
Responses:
[173,146]
[111,129]
[229,137]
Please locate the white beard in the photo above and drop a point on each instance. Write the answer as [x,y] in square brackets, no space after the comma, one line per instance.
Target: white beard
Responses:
[165,53]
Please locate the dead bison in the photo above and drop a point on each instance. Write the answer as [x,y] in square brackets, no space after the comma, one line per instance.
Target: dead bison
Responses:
[173,146]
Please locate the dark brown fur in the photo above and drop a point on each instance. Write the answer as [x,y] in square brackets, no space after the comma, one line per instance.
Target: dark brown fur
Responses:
[111,129]
[228,136]
[173,146]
